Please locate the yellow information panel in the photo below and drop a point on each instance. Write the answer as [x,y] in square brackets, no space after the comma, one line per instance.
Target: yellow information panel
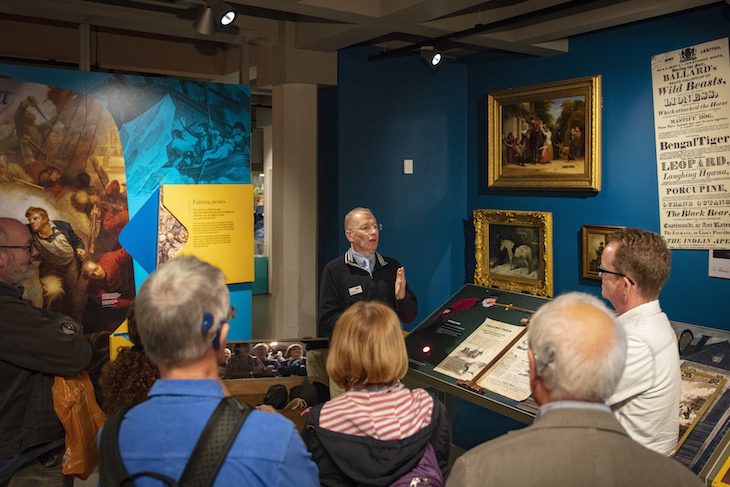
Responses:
[118,339]
[218,223]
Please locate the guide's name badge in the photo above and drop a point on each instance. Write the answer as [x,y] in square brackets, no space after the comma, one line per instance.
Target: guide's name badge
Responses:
[355,290]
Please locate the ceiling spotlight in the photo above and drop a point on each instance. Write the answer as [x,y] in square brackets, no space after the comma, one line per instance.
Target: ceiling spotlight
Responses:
[224,13]
[214,13]
[432,57]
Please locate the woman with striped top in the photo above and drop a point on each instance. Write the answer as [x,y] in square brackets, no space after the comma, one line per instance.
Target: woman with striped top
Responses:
[378,431]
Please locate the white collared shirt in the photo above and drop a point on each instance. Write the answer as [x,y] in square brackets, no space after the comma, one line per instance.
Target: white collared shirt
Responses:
[646,401]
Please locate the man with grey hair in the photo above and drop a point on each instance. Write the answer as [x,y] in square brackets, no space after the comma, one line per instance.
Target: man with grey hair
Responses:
[182,312]
[634,267]
[577,353]
[362,274]
[36,345]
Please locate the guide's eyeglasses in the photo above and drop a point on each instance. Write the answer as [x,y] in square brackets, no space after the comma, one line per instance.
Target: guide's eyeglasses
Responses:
[604,271]
[370,228]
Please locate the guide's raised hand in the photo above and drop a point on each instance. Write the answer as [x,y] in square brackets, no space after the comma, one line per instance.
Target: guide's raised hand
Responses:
[400,283]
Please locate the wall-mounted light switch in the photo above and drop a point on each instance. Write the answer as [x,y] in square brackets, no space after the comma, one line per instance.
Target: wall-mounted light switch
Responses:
[407,166]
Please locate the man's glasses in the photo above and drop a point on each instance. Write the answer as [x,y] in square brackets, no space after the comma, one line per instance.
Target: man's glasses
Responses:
[370,228]
[604,271]
[28,247]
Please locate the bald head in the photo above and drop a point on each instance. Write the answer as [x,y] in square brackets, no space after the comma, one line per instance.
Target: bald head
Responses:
[9,226]
[16,253]
[356,212]
[578,347]
[362,231]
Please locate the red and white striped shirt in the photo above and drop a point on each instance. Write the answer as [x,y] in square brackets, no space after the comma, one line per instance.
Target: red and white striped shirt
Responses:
[386,415]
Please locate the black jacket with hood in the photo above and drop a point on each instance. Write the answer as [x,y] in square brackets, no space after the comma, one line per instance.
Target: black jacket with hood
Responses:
[348,460]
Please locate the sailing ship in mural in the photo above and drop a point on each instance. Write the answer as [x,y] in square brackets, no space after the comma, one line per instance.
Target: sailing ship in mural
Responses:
[179,132]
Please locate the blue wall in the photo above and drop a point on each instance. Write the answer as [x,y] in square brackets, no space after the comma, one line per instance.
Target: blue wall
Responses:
[629,195]
[397,109]
[389,111]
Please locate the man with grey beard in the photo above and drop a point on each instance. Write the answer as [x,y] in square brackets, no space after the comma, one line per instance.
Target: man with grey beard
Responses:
[37,345]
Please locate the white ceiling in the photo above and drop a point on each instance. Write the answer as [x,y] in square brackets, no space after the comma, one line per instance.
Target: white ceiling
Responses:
[532,27]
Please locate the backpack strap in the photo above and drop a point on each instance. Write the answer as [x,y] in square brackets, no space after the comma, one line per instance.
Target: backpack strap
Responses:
[204,463]
[112,471]
[214,443]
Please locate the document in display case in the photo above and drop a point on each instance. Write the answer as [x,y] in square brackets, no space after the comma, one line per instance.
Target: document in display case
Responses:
[475,347]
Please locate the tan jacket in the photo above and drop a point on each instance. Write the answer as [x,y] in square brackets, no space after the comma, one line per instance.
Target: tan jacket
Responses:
[568,447]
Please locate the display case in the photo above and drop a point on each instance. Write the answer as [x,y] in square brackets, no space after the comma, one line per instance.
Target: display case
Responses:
[443,347]
[442,337]
[705,403]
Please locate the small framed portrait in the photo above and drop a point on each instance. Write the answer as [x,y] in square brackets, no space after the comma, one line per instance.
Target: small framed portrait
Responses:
[594,240]
[546,137]
[514,250]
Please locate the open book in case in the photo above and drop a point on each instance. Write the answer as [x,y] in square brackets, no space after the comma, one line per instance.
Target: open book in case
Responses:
[477,341]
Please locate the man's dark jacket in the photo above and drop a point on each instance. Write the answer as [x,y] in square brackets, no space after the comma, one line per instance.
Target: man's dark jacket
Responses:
[344,283]
[33,350]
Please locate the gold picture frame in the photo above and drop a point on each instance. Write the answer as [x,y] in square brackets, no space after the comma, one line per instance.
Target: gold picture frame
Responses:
[546,137]
[514,250]
[593,238]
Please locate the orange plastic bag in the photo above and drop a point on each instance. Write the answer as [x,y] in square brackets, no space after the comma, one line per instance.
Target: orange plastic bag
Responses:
[81,416]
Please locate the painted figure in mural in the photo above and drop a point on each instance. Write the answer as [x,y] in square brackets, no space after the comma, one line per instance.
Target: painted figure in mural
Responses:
[105,204]
[11,172]
[110,289]
[60,251]
[182,143]
[240,138]
[53,180]
[28,132]
[219,147]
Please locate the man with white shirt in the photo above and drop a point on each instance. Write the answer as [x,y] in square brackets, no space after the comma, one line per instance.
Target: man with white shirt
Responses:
[634,267]
[362,274]
[577,352]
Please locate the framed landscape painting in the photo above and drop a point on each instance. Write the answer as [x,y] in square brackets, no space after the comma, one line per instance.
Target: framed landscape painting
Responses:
[546,137]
